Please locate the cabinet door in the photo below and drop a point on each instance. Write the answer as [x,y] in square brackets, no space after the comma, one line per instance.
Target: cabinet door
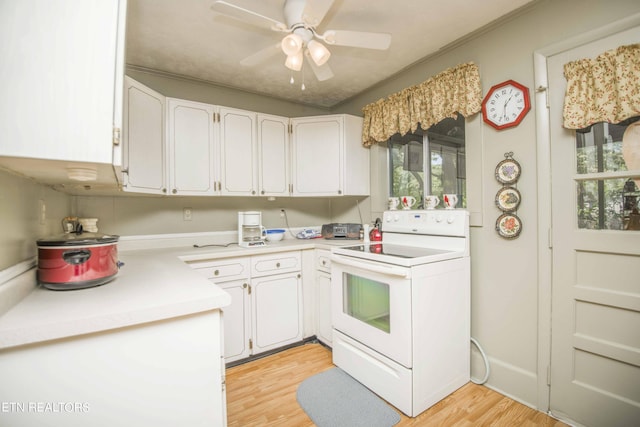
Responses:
[323,291]
[317,156]
[191,148]
[238,152]
[273,155]
[143,139]
[59,78]
[277,311]
[236,320]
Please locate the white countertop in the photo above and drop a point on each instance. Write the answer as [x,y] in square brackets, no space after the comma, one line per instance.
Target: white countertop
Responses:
[152,285]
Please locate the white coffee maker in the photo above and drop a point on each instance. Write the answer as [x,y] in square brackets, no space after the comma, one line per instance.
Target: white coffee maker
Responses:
[250,230]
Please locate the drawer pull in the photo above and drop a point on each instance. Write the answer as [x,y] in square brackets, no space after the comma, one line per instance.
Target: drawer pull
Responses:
[216,272]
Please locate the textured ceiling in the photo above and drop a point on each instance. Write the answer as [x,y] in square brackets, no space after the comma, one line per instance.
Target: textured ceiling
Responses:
[187,38]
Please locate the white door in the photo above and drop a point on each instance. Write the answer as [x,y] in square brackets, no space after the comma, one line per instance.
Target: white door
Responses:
[143,139]
[61,70]
[277,311]
[191,147]
[273,155]
[237,321]
[238,152]
[323,292]
[317,155]
[595,344]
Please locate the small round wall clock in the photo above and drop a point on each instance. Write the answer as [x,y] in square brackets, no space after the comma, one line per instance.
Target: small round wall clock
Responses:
[506,104]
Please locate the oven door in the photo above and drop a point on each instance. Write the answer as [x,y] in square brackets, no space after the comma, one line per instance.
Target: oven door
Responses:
[371,303]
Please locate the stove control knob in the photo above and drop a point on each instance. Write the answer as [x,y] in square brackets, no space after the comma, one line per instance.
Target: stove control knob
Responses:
[438,218]
[396,217]
[451,219]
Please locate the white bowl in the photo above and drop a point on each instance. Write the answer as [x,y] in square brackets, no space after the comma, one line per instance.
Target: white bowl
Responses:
[275,235]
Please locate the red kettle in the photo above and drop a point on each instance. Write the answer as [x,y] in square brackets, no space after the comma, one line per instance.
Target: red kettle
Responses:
[375,235]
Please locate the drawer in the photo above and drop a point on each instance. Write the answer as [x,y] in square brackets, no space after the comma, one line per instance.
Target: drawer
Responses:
[323,260]
[284,262]
[224,269]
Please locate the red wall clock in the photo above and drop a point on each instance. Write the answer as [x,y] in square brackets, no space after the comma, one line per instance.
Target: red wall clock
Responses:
[506,104]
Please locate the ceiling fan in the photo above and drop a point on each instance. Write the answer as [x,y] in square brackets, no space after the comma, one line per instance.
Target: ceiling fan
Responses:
[303,40]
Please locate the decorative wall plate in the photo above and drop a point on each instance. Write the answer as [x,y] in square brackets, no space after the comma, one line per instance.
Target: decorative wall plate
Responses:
[508,171]
[508,226]
[508,199]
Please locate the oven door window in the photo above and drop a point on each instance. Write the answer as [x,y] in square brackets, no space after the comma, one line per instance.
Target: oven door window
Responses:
[367,300]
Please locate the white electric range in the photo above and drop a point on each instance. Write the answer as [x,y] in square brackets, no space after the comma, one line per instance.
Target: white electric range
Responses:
[401,308]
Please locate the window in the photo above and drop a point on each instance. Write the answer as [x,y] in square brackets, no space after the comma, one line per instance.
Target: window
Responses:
[429,162]
[607,196]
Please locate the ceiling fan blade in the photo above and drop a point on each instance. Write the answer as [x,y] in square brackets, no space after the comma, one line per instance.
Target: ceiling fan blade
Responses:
[380,41]
[323,72]
[261,55]
[315,11]
[247,15]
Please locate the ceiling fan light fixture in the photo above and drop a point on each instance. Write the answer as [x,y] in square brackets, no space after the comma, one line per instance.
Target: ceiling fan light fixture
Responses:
[319,53]
[294,62]
[292,44]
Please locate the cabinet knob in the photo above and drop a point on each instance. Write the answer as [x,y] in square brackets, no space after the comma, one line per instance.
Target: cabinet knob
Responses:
[277,264]
[324,262]
[339,191]
[253,192]
[174,191]
[164,190]
[262,192]
[216,272]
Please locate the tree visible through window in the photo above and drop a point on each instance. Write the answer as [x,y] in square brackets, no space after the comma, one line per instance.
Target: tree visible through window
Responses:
[607,197]
[429,162]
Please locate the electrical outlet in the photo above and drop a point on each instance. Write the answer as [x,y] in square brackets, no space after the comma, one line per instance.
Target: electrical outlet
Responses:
[186,214]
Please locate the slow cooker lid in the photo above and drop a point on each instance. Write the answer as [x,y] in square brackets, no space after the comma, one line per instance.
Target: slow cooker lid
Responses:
[78,239]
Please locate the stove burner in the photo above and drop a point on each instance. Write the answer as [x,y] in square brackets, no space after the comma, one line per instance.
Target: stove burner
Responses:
[398,251]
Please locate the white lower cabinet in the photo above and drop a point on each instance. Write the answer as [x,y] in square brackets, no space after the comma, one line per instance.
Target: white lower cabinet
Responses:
[266,301]
[277,313]
[324,327]
[237,330]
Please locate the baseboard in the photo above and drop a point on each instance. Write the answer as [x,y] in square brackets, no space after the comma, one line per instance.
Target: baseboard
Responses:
[309,340]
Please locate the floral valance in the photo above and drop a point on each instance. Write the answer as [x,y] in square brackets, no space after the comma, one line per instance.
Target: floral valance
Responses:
[604,89]
[454,91]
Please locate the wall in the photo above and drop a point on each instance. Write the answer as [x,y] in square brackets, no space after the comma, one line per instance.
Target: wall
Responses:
[193,90]
[21,200]
[131,216]
[505,273]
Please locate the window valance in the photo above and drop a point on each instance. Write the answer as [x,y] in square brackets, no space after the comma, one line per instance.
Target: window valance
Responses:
[453,91]
[604,89]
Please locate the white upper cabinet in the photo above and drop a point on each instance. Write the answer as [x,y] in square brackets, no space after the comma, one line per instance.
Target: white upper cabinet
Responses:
[238,152]
[143,139]
[191,143]
[327,156]
[205,149]
[62,68]
[273,155]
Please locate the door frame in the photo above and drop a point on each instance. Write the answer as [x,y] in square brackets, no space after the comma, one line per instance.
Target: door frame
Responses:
[543,153]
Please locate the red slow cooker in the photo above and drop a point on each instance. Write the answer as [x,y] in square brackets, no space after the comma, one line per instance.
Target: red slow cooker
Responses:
[77,260]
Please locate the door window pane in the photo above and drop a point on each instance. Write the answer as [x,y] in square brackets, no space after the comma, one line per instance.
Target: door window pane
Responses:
[367,300]
[607,196]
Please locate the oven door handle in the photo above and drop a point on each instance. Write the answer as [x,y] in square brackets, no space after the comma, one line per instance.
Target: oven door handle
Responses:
[376,267]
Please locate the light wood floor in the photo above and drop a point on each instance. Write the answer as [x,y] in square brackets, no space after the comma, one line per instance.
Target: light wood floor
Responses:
[263,393]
